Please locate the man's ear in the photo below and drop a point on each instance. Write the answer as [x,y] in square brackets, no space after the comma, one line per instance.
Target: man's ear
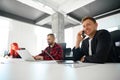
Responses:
[96,24]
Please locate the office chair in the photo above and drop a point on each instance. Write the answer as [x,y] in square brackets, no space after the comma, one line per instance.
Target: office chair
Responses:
[66,51]
[63,45]
[116,39]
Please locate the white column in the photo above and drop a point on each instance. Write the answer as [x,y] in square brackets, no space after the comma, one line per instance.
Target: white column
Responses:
[58,26]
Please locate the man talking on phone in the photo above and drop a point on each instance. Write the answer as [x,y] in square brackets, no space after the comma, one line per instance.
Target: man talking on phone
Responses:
[97,48]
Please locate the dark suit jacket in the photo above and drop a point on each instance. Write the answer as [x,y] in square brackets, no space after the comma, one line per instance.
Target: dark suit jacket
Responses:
[102,49]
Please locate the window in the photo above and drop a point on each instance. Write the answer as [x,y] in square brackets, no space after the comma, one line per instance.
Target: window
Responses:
[4,32]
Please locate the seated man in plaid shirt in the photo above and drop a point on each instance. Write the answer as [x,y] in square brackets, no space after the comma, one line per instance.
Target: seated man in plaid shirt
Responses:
[52,52]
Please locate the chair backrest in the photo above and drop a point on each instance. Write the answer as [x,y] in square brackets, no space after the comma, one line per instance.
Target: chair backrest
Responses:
[116,37]
[63,45]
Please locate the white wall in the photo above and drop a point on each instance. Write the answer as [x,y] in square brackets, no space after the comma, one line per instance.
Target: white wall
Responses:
[109,22]
[26,35]
[70,35]
[23,34]
[41,34]
[4,31]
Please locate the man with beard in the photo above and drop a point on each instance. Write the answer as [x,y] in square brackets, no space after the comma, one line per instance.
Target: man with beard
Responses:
[52,52]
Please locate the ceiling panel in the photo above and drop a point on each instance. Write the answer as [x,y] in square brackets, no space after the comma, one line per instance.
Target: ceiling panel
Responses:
[19,9]
[95,8]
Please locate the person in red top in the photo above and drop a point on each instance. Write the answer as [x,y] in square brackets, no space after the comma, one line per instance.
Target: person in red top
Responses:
[13,51]
[52,52]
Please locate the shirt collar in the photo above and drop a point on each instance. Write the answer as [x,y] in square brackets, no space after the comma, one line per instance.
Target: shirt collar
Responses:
[53,46]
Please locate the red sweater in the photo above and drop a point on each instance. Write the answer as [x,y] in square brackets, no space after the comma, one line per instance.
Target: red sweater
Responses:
[14,54]
[55,51]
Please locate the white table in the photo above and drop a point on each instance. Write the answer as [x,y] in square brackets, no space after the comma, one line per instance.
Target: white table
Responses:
[17,69]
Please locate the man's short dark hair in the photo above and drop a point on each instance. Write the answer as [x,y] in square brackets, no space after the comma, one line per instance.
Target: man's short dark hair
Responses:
[88,17]
[51,35]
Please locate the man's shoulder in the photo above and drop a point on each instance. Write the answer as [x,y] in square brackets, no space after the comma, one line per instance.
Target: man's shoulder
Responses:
[102,31]
[99,33]
[103,34]
[58,45]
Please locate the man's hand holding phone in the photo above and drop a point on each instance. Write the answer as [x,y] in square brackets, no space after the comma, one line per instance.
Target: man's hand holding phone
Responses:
[80,37]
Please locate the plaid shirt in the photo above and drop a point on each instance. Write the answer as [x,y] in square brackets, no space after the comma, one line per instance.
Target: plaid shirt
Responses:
[55,51]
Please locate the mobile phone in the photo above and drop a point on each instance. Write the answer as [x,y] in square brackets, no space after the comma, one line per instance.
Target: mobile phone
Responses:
[83,34]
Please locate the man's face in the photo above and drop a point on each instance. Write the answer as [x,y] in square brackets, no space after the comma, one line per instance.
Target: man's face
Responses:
[89,27]
[50,40]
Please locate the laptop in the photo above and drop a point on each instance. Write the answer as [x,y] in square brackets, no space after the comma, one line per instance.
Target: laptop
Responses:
[25,55]
[28,57]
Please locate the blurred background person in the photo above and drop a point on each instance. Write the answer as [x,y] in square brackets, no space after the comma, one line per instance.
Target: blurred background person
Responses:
[13,51]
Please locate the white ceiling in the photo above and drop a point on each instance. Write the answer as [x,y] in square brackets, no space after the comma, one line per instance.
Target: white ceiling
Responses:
[64,7]
[39,12]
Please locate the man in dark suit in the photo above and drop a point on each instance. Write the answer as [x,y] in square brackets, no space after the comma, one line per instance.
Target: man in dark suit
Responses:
[97,48]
